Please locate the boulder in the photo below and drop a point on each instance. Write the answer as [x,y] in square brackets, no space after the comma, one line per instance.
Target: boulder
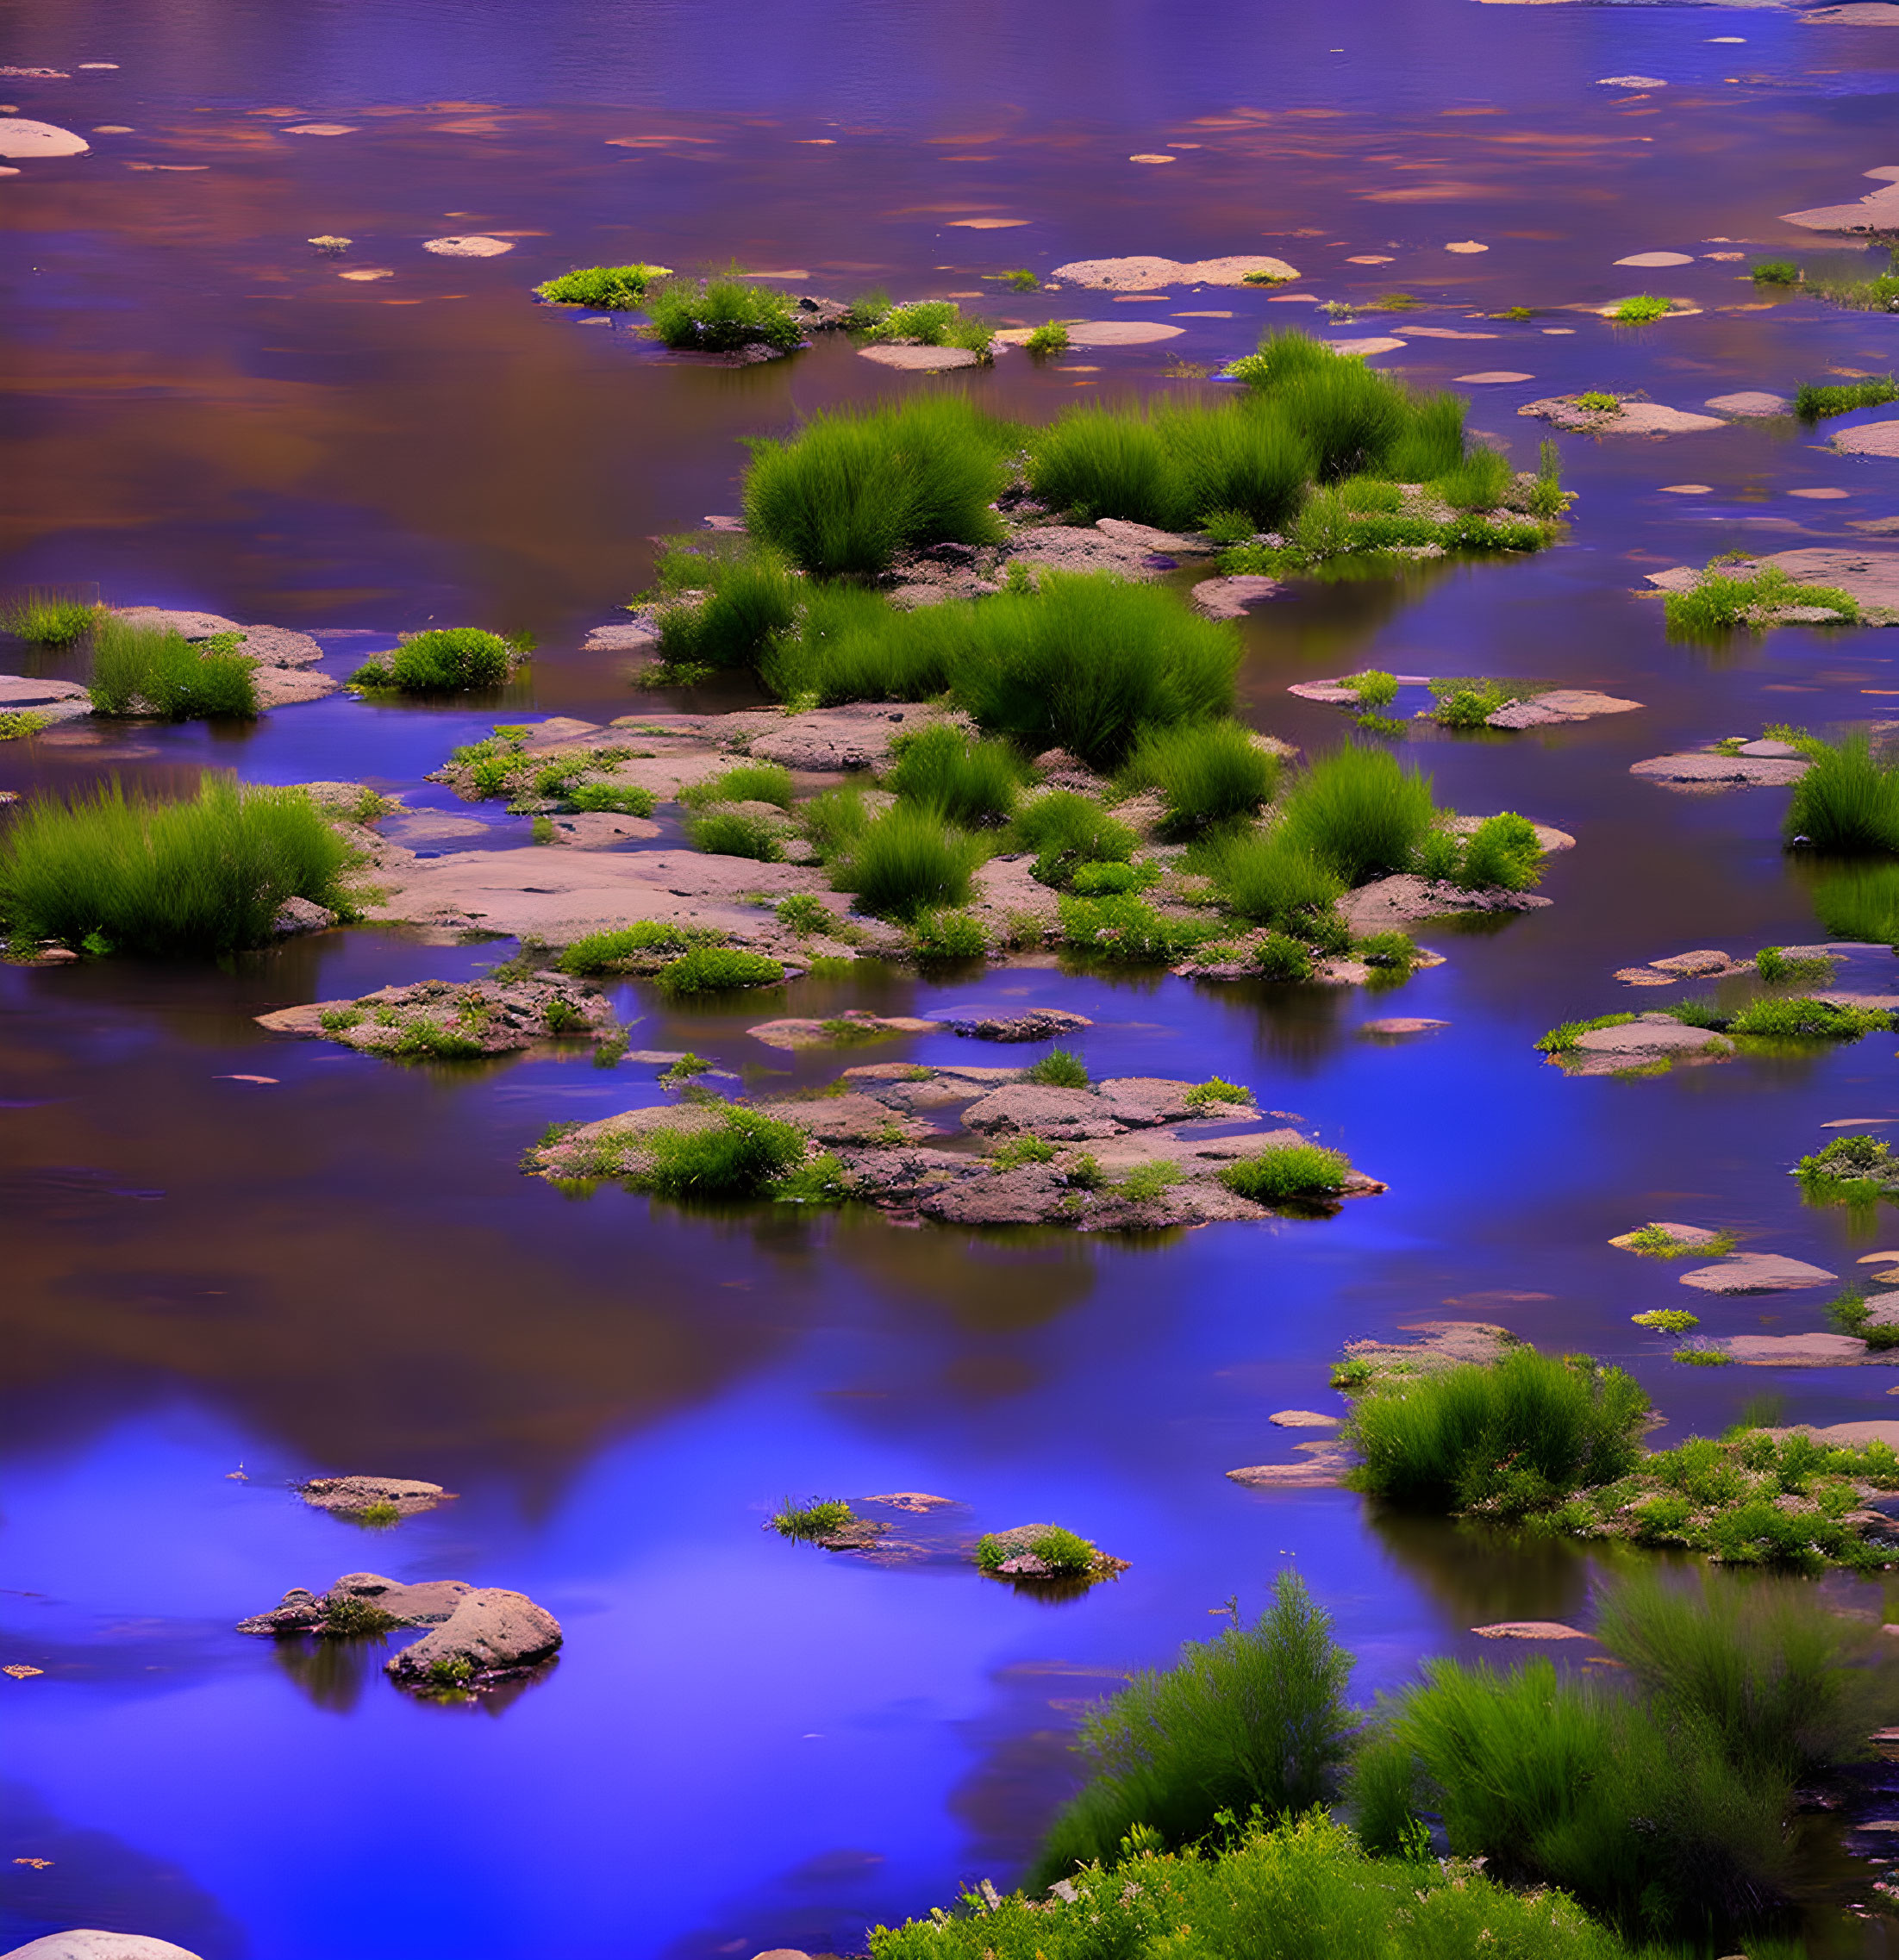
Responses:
[88,1943]
[425,1604]
[1756,1272]
[1702,768]
[1406,899]
[1034,1024]
[1302,1418]
[491,1632]
[297,915]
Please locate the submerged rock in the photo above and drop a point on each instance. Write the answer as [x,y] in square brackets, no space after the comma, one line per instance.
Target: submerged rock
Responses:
[1135,275]
[1706,769]
[492,1633]
[1865,573]
[1034,1024]
[1407,899]
[1626,418]
[1530,1630]
[349,1496]
[1756,1272]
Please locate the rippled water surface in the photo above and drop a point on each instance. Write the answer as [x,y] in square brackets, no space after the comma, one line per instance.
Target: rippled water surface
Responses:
[745,1744]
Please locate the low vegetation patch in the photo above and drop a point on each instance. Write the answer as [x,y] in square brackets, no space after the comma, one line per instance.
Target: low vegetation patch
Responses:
[1127,931]
[820,1518]
[742,1156]
[1067,831]
[1849,1169]
[950,936]
[107,871]
[1215,1094]
[1063,1554]
[1642,307]
[450,659]
[714,970]
[1846,803]
[608,288]
[1289,1174]
[146,669]
[934,323]
[17,723]
[1727,602]
[722,607]
[1657,1242]
[1562,1039]
[1816,400]
[1207,772]
[1667,1320]
[1060,1067]
[722,316]
[908,862]
[966,781]
[1776,966]
[628,949]
[48,618]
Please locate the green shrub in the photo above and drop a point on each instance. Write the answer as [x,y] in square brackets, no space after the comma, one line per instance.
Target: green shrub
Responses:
[1482,481]
[1775,965]
[736,833]
[444,660]
[1515,1437]
[1464,704]
[854,488]
[1274,878]
[1848,1160]
[1102,460]
[1108,881]
[1796,1018]
[1207,772]
[204,876]
[1359,811]
[1215,1094]
[1502,851]
[1288,1174]
[740,1156]
[1060,1067]
[1642,308]
[1254,1719]
[1007,1155]
[1066,1553]
[1848,802]
[621,947]
[1089,662]
[1388,949]
[750,599]
[1280,957]
[708,969]
[948,935]
[1350,418]
[155,670]
[1774,273]
[1816,401]
[909,861]
[48,618]
[1851,1314]
[610,289]
[967,781]
[934,323]
[854,646]
[16,724]
[1065,830]
[1244,456]
[1667,1320]
[1050,338]
[1290,1890]
[819,1519]
[1128,930]
[745,783]
[1374,688]
[803,913]
[627,799]
[721,315]
[1021,280]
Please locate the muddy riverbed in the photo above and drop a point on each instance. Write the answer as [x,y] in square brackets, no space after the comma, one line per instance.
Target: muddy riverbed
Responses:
[231,1260]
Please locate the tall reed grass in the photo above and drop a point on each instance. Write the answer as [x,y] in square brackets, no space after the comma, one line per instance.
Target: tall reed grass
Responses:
[909,861]
[855,486]
[1274,879]
[154,671]
[47,618]
[1207,772]
[721,315]
[1255,1718]
[1848,802]
[967,781]
[1359,811]
[206,875]
[751,597]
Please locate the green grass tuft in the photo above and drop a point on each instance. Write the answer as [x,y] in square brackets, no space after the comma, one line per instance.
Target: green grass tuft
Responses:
[709,969]
[444,660]
[750,600]
[1288,1174]
[1061,1068]
[1207,772]
[608,289]
[967,781]
[1798,1017]
[48,618]
[1724,601]
[736,833]
[740,1156]
[1642,308]
[154,671]
[948,935]
[721,315]
[1816,400]
[909,861]
[819,1519]
[1846,803]
[1051,337]
[934,323]
[1215,1094]
[1066,830]
[1657,1242]
[1359,811]
[1774,273]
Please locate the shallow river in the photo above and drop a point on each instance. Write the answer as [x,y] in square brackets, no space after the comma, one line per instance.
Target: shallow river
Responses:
[747,1744]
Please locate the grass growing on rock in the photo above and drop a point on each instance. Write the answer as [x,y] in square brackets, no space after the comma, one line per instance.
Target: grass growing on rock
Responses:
[745,783]
[740,1156]
[1065,1554]
[608,289]
[1657,1242]
[155,670]
[714,969]
[203,876]
[1125,930]
[721,315]
[1642,307]
[1207,772]
[1727,602]
[819,1519]
[750,598]
[934,323]
[1254,1721]
[948,935]
[1816,400]
[1846,803]
[1060,1067]
[48,618]
[736,833]
[909,861]
[1288,1174]
[855,486]
[633,948]
[450,659]
[1360,812]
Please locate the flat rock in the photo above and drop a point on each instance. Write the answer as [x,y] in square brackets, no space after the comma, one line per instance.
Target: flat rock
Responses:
[1750,401]
[57,701]
[426,1604]
[1147,538]
[1869,439]
[1701,770]
[1043,1108]
[475,245]
[1658,259]
[88,1943]
[855,1024]
[21,138]
[919,359]
[1631,82]
[1756,1272]
[1878,210]
[1231,598]
[1407,899]
[487,1017]
[491,1632]
[1530,1630]
[1864,573]
[1136,275]
[1395,1025]
[1853,14]
[1364,345]
[1799,1350]
[346,1494]
[1143,1102]
[627,636]
[1558,705]
[1630,418]
[1121,333]
[1683,1234]
[170,619]
[1318,1471]
[1302,1418]
[1649,1038]
[857,736]
[1701,962]
[1033,1024]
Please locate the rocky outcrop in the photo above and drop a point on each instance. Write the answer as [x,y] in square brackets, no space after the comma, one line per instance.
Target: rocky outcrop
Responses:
[1408,900]
[1644,1042]
[1711,768]
[1626,418]
[360,1603]
[491,1634]
[1865,573]
[1138,275]
[1034,1024]
[442,1020]
[350,1496]
[51,700]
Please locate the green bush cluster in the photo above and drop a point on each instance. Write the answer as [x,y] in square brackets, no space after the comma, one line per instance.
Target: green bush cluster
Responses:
[1068,832]
[1818,400]
[741,1155]
[909,861]
[721,315]
[712,969]
[748,598]
[627,948]
[448,660]
[1724,601]
[1847,802]
[1125,930]
[207,875]
[967,781]
[934,323]
[156,671]
[1289,1174]
[1207,772]
[609,289]
[48,618]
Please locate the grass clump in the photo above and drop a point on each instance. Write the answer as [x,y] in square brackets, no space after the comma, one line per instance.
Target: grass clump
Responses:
[819,1519]
[1215,1094]
[1563,1037]
[1774,273]
[1515,1437]
[1127,931]
[1280,957]
[1254,1721]
[1374,687]
[1027,1148]
[934,323]
[1207,772]
[721,315]
[948,935]
[1288,1174]
[1817,400]
[1657,1242]
[16,724]
[626,948]
[1642,307]
[855,486]
[1851,1314]
[749,598]
[1667,1320]
[1502,851]
[608,289]
[1360,812]
[740,1156]
[108,871]
[710,970]
[967,781]
[156,671]
[1726,601]
[1065,1554]
[1051,337]
[1275,879]
[1849,1167]
[804,914]
[736,833]
[1846,802]
[1774,966]
[1799,1019]
[1066,830]
[1597,403]
[1061,1068]
[909,861]
[1147,1182]
[745,783]
[48,618]
[449,659]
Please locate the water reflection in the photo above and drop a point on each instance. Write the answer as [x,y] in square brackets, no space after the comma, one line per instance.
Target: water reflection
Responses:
[332,1673]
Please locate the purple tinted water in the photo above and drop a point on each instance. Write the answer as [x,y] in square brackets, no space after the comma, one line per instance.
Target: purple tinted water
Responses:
[746,1744]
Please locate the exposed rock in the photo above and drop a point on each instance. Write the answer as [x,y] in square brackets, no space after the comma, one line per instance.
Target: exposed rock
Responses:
[1559,704]
[57,701]
[88,1943]
[1232,599]
[442,1018]
[1863,572]
[1658,259]
[629,636]
[1756,1272]
[1019,1561]
[1324,1471]
[1109,546]
[1877,211]
[476,247]
[1364,345]
[350,1495]
[1647,1040]
[857,736]
[855,1024]
[1626,418]
[1149,274]
[490,1634]
[1869,439]
[394,1604]
[1407,899]
[1682,1234]
[1302,1418]
[1042,1109]
[1800,1350]
[1530,1630]
[1703,769]
[919,359]
[20,137]
[1853,14]
[1751,401]
[297,915]
[1120,332]
[1441,1344]
[1034,1024]
[1395,1025]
